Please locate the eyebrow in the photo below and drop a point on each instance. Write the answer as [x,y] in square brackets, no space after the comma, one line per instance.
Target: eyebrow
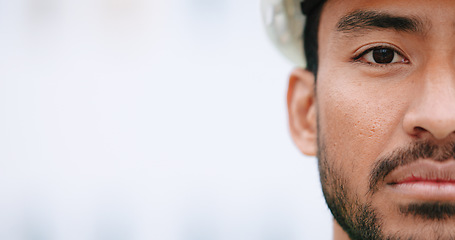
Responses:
[360,21]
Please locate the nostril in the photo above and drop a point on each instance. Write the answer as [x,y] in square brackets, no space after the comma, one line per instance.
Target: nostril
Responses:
[429,121]
[419,130]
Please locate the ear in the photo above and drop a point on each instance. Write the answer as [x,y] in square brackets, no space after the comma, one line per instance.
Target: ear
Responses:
[302,111]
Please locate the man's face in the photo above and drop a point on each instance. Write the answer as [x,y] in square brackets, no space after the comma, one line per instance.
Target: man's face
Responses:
[385,107]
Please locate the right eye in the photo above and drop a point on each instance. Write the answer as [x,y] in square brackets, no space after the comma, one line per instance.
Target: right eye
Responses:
[382,55]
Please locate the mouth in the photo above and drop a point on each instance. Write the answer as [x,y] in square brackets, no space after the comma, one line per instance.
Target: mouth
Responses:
[425,180]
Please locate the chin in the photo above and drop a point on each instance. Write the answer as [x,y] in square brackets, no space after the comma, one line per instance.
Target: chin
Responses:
[417,228]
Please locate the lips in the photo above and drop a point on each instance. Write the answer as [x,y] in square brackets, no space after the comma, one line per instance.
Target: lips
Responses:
[429,180]
[424,180]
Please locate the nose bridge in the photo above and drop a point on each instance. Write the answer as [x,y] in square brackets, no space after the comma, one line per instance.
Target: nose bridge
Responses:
[433,107]
[439,81]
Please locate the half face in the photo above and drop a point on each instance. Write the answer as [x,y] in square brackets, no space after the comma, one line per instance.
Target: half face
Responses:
[385,115]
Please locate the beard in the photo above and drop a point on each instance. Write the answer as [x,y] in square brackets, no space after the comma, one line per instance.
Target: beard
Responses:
[361,220]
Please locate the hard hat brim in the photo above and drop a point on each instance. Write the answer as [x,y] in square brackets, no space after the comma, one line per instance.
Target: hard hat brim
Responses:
[284,23]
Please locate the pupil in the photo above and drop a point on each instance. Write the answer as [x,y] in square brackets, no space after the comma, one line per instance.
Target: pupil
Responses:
[383,55]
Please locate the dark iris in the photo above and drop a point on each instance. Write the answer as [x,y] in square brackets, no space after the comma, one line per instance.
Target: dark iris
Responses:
[383,55]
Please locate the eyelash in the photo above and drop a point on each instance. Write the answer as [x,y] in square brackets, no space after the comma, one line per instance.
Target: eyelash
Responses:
[357,58]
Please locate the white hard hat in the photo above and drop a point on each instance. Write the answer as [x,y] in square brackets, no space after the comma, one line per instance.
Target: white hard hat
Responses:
[284,23]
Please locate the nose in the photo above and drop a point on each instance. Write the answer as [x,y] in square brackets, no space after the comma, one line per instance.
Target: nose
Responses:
[432,110]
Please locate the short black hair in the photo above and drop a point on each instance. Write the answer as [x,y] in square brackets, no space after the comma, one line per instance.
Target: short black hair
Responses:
[310,36]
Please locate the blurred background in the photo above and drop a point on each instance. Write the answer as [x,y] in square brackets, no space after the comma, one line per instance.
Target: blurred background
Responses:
[148,119]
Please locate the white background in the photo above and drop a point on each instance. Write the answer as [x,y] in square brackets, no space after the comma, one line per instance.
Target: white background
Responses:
[158,119]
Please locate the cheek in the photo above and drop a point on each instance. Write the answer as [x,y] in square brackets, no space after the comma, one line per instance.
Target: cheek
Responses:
[357,125]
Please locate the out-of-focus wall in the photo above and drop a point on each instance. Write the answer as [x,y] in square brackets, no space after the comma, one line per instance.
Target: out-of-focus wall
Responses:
[148,119]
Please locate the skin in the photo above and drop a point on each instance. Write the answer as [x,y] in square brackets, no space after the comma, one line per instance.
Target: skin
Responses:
[361,111]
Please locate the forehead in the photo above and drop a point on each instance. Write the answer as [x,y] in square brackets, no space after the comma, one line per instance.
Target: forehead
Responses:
[436,15]
[398,6]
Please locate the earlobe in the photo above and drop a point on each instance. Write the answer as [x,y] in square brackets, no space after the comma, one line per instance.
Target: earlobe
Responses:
[302,111]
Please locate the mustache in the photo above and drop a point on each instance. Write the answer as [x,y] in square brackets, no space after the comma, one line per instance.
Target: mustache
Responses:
[407,155]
